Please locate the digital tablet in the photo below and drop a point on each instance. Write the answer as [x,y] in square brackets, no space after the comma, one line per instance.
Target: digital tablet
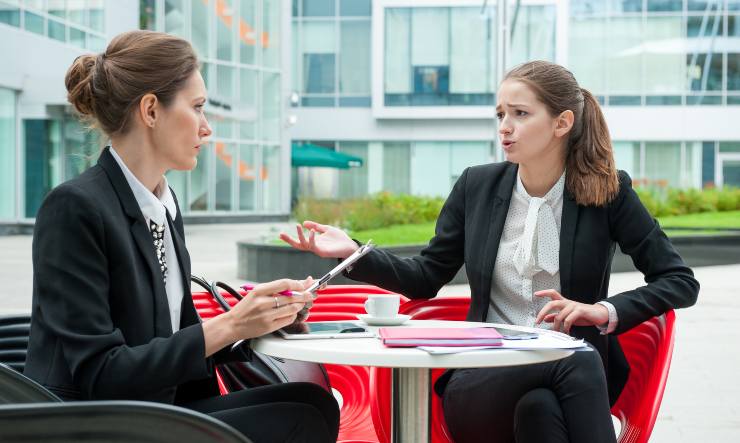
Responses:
[314,330]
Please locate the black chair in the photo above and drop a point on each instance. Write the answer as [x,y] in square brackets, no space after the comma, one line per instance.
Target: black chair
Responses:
[17,388]
[14,340]
[111,422]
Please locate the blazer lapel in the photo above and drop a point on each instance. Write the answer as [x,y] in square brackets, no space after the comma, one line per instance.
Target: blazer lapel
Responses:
[568,223]
[499,210]
[143,239]
[188,315]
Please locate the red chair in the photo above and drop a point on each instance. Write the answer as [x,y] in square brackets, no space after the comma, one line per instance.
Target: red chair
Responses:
[340,302]
[648,348]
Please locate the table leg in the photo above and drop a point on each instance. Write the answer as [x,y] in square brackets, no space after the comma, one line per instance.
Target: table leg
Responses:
[411,405]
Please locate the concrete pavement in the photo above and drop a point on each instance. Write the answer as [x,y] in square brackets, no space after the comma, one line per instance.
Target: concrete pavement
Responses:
[702,400]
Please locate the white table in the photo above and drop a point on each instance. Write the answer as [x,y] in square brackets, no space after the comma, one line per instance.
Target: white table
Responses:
[411,367]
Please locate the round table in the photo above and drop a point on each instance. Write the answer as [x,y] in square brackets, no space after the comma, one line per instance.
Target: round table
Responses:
[411,367]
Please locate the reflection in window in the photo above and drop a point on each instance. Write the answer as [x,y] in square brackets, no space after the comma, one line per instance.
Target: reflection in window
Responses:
[533,35]
[226,163]
[664,66]
[7,154]
[174,17]
[663,163]
[10,14]
[248,38]
[627,157]
[270,37]
[247,174]
[318,8]
[397,167]
[199,35]
[225,31]
[353,181]
[271,101]
[354,71]
[271,180]
[199,180]
[704,71]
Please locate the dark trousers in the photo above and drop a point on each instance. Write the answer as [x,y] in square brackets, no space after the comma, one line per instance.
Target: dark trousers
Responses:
[288,412]
[561,401]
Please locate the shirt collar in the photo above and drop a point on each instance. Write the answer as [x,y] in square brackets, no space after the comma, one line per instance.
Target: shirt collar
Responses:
[551,196]
[152,204]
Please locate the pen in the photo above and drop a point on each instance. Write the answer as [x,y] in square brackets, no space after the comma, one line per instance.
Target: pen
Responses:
[247,287]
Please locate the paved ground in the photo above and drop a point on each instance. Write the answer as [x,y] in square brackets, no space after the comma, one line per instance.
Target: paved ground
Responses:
[702,399]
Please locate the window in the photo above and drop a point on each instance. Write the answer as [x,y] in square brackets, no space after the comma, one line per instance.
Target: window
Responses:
[7,154]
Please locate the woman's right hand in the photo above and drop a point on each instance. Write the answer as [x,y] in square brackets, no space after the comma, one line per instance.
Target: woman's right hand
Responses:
[331,242]
[260,312]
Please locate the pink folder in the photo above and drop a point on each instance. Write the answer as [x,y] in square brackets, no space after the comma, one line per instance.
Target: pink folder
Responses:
[410,337]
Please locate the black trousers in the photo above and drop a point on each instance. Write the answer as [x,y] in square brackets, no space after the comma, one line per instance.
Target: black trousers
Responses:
[561,401]
[288,412]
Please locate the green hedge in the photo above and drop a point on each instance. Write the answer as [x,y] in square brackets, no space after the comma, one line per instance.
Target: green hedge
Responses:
[385,209]
[666,201]
[371,212]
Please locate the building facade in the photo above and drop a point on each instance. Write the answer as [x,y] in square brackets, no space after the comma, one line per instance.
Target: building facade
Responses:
[409,85]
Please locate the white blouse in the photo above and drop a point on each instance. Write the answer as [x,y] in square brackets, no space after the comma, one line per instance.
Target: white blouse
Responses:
[153,208]
[528,258]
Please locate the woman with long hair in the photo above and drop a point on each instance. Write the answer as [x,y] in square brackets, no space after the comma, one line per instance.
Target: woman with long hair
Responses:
[112,314]
[537,234]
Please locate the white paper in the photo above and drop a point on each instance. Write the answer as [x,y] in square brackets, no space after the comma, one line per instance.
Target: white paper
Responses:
[545,341]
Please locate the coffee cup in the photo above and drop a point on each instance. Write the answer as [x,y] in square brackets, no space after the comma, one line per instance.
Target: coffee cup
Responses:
[382,305]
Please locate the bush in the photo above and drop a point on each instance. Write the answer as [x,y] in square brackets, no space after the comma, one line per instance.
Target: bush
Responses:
[661,201]
[371,212]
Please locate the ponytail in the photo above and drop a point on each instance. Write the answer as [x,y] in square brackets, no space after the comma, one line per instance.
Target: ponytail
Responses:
[592,175]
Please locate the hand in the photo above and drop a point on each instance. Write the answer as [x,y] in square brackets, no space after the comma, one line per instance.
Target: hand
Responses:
[264,310]
[568,313]
[331,242]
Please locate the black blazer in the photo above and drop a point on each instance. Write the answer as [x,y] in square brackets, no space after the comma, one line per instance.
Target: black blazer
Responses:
[100,326]
[469,230]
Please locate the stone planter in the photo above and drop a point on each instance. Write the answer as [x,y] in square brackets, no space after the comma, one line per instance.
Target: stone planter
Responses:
[263,262]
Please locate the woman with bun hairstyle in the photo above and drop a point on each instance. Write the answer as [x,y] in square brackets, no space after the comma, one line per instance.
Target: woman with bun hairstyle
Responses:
[112,314]
[537,234]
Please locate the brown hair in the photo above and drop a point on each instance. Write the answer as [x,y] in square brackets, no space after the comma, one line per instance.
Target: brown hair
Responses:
[105,87]
[592,175]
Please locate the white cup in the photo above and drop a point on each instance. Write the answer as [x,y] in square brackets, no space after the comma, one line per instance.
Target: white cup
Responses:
[382,305]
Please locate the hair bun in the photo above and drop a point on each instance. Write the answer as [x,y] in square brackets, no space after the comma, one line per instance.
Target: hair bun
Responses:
[79,84]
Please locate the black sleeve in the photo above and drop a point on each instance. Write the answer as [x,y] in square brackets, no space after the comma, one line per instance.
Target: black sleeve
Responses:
[423,275]
[670,283]
[72,285]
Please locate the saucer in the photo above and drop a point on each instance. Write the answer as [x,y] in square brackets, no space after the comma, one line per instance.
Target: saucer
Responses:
[384,321]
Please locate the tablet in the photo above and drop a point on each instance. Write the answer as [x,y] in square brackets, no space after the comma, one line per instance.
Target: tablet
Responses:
[347,262]
[314,330]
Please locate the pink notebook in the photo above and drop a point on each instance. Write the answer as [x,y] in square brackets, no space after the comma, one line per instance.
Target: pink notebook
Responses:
[409,337]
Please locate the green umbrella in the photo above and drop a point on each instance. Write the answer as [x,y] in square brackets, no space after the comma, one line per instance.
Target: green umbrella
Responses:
[313,155]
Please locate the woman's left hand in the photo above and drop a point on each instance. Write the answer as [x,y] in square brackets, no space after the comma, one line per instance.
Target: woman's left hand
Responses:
[564,313]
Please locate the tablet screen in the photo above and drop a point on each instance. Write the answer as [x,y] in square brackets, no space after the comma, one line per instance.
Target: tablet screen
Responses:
[319,329]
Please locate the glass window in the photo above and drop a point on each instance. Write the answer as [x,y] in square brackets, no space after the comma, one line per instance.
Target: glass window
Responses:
[271,34]
[533,35]
[397,51]
[692,168]
[726,147]
[247,31]
[470,41]
[76,12]
[178,181]
[43,161]
[627,157]
[174,17]
[37,5]
[248,103]
[77,37]
[705,28]
[199,179]
[353,181]
[247,176]
[664,5]
[704,5]
[148,21]
[663,163]
[355,8]
[57,8]
[664,66]
[225,31]
[81,148]
[271,180]
[733,5]
[587,52]
[10,13]
[199,35]
[624,57]
[707,164]
[587,7]
[430,168]
[465,154]
[429,36]
[95,43]
[96,15]
[271,100]
[354,69]
[318,8]
[34,23]
[319,56]
[57,31]
[7,154]
[733,72]
[397,167]
[225,171]
[704,71]
[624,6]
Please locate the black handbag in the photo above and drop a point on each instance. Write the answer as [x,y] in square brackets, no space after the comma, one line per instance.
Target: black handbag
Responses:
[251,368]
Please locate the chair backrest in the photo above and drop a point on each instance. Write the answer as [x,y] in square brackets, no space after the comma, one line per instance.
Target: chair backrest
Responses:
[648,348]
[17,388]
[14,340]
[111,422]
